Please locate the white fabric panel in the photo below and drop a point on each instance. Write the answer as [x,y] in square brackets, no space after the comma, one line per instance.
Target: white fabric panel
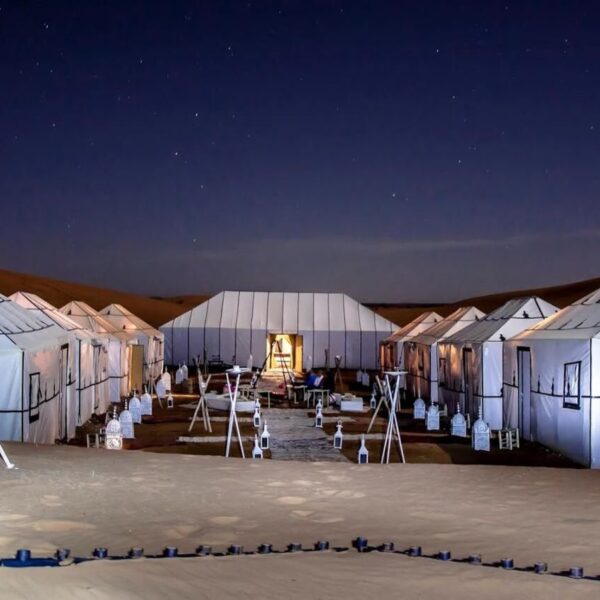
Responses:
[595,392]
[275,312]
[492,384]
[337,328]
[227,327]
[368,339]
[213,326]
[321,330]
[244,327]
[290,313]
[259,327]
[10,394]
[353,336]
[306,327]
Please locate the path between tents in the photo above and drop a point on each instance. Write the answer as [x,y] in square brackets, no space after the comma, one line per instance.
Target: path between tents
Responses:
[295,437]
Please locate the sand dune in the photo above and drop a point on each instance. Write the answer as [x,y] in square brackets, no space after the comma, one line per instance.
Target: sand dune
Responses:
[80,499]
[157,311]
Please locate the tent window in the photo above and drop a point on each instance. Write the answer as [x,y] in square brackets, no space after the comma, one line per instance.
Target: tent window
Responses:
[572,386]
[35,397]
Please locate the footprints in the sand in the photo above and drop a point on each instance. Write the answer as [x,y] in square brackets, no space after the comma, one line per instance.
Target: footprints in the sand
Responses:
[56,526]
[291,500]
[224,520]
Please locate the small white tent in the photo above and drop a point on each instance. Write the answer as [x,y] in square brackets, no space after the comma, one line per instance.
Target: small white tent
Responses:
[421,357]
[470,361]
[88,362]
[148,336]
[235,325]
[392,348]
[118,349]
[33,376]
[552,381]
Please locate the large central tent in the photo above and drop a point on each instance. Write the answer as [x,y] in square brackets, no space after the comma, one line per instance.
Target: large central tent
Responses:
[87,363]
[552,381]
[420,352]
[235,325]
[33,376]
[470,361]
[118,349]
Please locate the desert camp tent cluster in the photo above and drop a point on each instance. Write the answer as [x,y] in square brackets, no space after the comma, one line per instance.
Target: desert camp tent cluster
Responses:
[470,360]
[310,328]
[56,366]
[421,352]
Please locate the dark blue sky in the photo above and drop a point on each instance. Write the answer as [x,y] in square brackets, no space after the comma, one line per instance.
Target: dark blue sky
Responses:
[399,151]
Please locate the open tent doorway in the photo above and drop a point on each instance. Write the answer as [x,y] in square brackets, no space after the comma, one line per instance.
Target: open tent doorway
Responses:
[524,371]
[285,351]
[136,368]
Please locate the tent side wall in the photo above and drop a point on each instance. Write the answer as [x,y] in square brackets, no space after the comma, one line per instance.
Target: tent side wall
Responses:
[564,427]
[11,389]
[595,403]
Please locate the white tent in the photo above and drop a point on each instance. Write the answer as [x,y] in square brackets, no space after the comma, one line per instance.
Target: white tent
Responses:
[33,376]
[118,349]
[88,362]
[420,352]
[148,336]
[392,347]
[235,325]
[552,381]
[470,361]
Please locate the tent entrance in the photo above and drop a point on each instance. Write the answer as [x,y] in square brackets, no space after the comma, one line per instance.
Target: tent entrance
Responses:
[526,416]
[136,368]
[285,351]
[63,382]
[470,407]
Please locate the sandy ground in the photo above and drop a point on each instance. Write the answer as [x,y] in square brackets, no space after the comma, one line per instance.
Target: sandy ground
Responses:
[80,499]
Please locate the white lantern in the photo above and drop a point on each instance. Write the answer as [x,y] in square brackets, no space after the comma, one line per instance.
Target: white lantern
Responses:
[338,437]
[265,438]
[480,433]
[126,423]
[135,408]
[170,401]
[256,451]
[114,437]
[185,371]
[363,453]
[319,418]
[459,423]
[256,418]
[146,402]
[373,401]
[433,418]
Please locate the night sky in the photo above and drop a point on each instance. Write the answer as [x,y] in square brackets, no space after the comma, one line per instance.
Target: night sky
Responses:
[399,151]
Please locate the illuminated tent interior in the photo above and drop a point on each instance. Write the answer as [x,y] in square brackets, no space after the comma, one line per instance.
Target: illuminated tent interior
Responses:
[310,326]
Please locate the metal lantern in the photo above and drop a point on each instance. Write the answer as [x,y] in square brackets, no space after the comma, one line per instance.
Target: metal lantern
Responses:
[265,438]
[363,453]
[114,436]
[257,451]
[319,418]
[338,437]
[126,422]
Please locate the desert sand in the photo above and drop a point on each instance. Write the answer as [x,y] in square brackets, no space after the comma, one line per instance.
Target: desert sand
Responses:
[79,498]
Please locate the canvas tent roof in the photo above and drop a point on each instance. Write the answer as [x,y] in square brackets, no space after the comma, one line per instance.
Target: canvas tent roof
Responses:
[125,320]
[286,312]
[416,326]
[21,329]
[90,319]
[48,313]
[505,321]
[459,319]
[580,320]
